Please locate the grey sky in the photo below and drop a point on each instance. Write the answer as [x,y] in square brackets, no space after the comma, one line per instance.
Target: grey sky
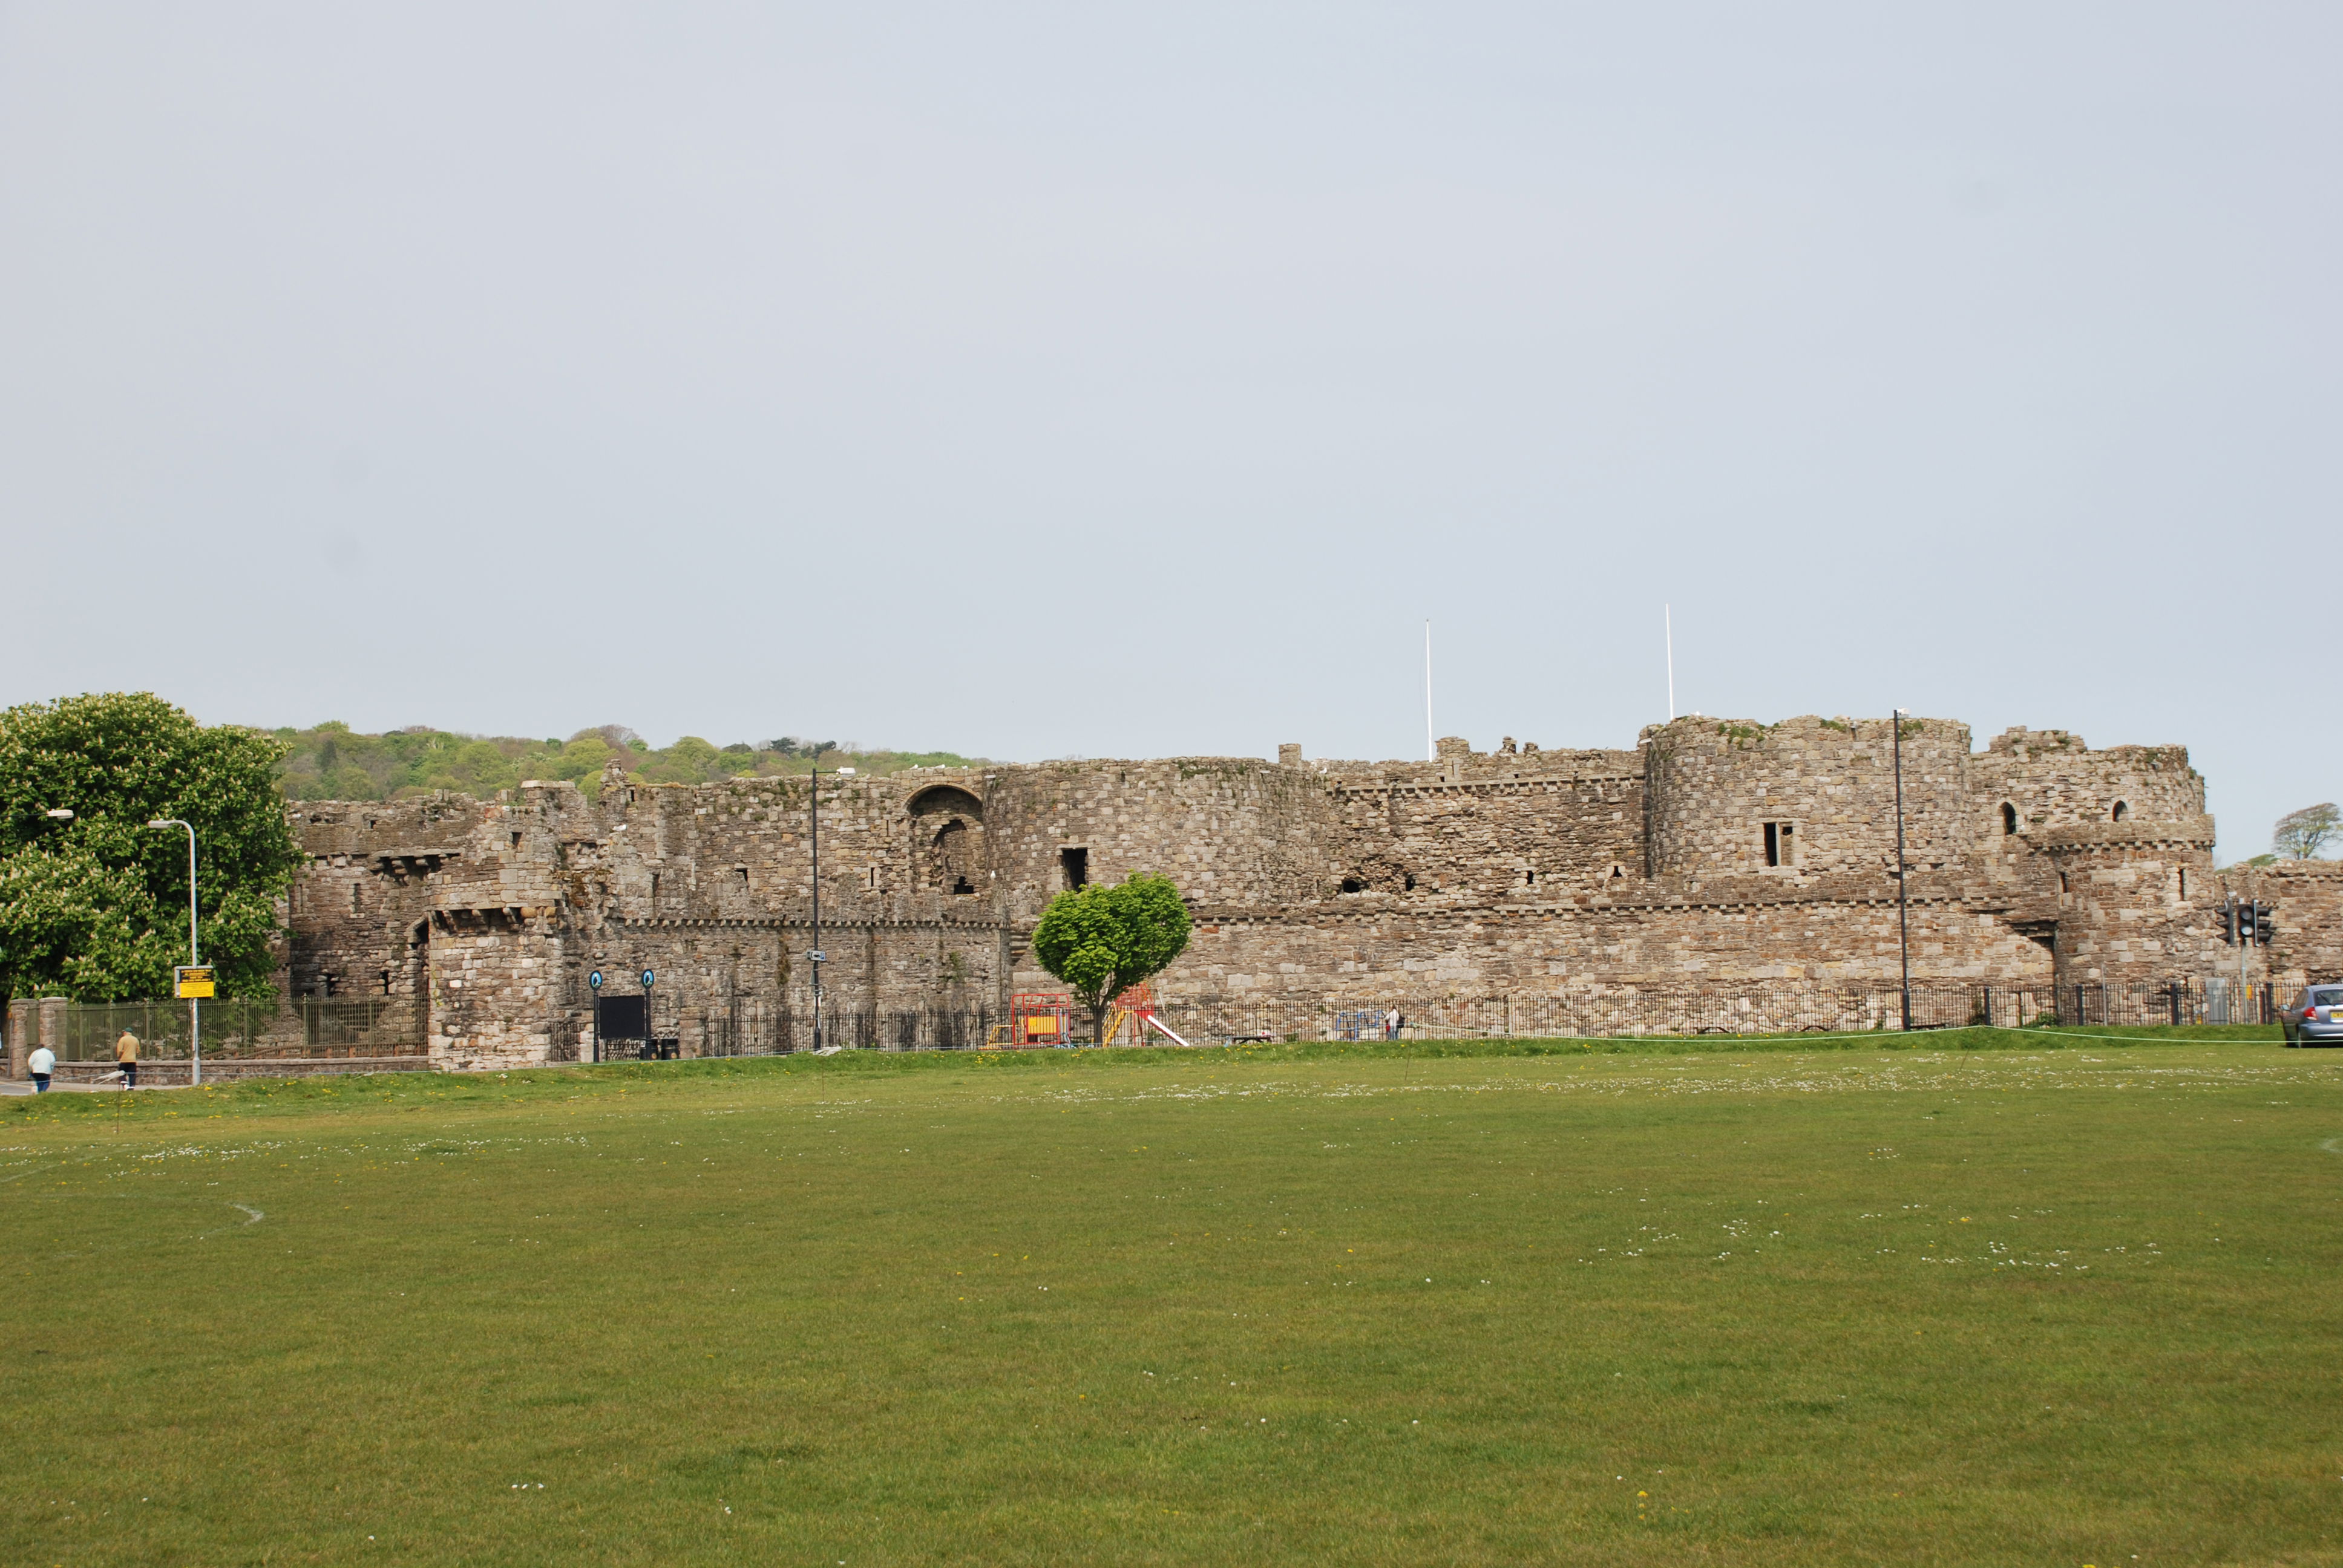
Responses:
[1131,381]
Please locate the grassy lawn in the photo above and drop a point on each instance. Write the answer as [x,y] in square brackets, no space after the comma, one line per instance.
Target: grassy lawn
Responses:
[2066,1301]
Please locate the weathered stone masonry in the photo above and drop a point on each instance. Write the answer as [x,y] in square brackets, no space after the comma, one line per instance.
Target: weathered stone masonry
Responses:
[1716,854]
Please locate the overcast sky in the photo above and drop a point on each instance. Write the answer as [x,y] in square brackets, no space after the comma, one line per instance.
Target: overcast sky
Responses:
[1115,380]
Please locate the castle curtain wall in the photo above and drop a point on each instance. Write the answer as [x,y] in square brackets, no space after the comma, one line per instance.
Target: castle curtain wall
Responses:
[1718,853]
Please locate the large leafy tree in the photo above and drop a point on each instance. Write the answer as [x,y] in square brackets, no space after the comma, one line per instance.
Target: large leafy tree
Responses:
[96,907]
[1104,939]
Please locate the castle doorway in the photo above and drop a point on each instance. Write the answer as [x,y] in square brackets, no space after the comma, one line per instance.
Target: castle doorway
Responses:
[947,839]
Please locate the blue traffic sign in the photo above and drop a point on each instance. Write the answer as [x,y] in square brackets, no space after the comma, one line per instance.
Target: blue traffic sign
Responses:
[648,978]
[594,979]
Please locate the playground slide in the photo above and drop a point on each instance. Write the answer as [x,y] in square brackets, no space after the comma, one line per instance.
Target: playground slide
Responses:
[1166,1028]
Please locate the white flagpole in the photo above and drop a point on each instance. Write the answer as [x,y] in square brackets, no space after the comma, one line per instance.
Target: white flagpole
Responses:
[1668,626]
[1431,746]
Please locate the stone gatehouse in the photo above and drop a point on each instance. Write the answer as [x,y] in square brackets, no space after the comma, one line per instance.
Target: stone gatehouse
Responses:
[1715,855]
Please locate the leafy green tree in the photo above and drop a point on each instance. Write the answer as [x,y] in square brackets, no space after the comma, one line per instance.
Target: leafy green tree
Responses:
[96,908]
[2300,835]
[1104,939]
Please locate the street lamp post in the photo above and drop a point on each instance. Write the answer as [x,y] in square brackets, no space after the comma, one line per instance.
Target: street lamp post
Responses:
[1902,914]
[195,1005]
[813,800]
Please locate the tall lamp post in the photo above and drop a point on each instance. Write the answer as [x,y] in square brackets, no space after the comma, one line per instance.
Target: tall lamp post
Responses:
[1902,914]
[195,1006]
[813,801]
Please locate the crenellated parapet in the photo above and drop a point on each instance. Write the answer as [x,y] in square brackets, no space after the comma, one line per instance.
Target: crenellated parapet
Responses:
[1716,851]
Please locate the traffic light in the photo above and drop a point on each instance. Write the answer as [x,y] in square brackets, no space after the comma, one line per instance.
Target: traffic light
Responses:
[2265,927]
[2226,920]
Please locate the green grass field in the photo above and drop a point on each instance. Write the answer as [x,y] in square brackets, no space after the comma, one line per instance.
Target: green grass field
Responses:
[2062,1302]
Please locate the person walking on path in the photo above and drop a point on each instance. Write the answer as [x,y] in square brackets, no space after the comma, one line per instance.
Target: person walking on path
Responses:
[126,1057]
[43,1062]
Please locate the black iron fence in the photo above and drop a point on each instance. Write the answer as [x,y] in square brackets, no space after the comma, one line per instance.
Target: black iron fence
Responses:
[853,1029]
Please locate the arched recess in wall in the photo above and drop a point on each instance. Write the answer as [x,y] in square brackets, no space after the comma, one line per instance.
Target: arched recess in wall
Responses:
[2122,811]
[2008,819]
[948,839]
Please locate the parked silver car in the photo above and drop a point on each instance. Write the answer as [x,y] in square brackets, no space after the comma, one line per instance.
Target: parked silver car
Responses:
[2315,1017]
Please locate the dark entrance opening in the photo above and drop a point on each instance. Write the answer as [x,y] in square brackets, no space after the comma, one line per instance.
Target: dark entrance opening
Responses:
[1076,864]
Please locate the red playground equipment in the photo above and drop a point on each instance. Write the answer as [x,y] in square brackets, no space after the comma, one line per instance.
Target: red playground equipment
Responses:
[1039,1017]
[1036,1018]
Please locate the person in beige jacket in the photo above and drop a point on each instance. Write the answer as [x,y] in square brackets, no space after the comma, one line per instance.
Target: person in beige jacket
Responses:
[126,1057]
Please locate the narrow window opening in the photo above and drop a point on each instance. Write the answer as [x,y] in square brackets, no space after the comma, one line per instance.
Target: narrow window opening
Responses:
[1529,879]
[962,884]
[742,872]
[2121,811]
[2062,882]
[386,982]
[1408,882]
[1778,842]
[655,876]
[515,840]
[353,898]
[1618,872]
[2184,881]
[1352,885]
[1075,862]
[2008,819]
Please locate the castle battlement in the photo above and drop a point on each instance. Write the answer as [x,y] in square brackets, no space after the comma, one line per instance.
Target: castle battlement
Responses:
[1715,849]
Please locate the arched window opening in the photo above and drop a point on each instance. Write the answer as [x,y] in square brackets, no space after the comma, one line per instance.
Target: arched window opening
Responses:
[2008,818]
[2122,811]
[948,839]
[1408,882]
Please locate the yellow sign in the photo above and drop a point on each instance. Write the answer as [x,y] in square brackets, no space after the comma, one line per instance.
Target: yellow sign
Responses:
[195,982]
[1044,1024]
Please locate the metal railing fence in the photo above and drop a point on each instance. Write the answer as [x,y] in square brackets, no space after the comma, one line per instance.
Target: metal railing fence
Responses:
[272,1027]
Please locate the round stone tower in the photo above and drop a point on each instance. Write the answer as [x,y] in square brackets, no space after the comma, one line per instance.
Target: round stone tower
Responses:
[1805,798]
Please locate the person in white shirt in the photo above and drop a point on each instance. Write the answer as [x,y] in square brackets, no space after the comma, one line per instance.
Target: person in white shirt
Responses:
[43,1062]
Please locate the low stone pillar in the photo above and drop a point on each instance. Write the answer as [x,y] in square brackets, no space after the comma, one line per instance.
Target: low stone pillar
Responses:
[53,1023]
[23,1016]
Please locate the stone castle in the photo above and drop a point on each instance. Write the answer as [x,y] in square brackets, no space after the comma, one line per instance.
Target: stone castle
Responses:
[1513,891]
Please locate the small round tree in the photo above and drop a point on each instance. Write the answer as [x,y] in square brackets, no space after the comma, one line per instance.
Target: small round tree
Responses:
[1104,939]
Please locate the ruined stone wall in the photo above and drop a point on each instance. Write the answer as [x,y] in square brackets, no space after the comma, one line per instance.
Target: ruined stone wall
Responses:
[1503,837]
[2134,900]
[732,987]
[1717,783]
[1229,830]
[2308,896]
[2049,778]
[358,905]
[1536,876]
[1429,959]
